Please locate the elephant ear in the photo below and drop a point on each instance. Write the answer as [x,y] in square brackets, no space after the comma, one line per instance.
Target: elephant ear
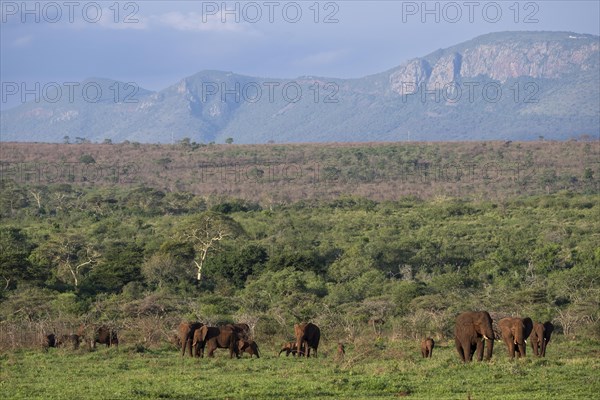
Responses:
[528,327]
[548,328]
[203,333]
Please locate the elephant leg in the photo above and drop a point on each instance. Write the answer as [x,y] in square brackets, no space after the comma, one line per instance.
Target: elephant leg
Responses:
[199,350]
[522,350]
[510,345]
[459,349]
[479,350]
[543,351]
[462,349]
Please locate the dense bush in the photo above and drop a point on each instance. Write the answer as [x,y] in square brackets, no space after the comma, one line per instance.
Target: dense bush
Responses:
[121,257]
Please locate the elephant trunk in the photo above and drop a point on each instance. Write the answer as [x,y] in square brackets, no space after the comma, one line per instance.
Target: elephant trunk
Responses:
[520,342]
[489,342]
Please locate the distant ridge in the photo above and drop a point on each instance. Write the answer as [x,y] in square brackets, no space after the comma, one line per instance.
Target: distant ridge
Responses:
[498,86]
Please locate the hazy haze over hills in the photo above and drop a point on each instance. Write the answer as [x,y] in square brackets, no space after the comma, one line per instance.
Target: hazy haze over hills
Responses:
[506,85]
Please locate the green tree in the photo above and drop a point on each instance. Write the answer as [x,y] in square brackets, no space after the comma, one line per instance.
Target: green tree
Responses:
[204,232]
[70,256]
[15,267]
[237,264]
[120,264]
[87,159]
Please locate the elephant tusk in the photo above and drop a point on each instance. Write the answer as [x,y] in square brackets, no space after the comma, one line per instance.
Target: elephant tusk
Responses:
[486,338]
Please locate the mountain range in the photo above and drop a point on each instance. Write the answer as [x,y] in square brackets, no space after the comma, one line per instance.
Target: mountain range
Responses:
[499,86]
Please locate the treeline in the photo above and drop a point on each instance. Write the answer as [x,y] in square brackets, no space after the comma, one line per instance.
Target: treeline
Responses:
[115,254]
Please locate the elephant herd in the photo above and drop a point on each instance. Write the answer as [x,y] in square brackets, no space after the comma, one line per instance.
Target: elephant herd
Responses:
[473,333]
[474,330]
[91,336]
[197,338]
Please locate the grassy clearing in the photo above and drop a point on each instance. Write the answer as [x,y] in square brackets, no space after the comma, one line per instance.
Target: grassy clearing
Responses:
[391,370]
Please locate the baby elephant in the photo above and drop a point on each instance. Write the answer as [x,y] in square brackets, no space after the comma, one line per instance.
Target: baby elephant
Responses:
[289,347]
[248,346]
[427,347]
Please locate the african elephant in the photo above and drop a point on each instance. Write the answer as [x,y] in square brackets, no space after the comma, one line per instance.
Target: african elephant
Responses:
[515,332]
[288,347]
[540,337]
[242,330]
[215,338]
[427,345]
[307,337]
[105,335]
[248,346]
[201,335]
[186,335]
[471,329]
[74,339]
[49,341]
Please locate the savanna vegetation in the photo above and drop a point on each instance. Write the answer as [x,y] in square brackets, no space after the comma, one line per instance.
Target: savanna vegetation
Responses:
[338,248]
[382,369]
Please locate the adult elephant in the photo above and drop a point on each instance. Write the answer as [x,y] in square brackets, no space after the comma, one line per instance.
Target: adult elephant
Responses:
[186,335]
[105,335]
[307,337]
[49,341]
[515,332]
[540,337]
[471,329]
[201,336]
[72,339]
[242,330]
[212,338]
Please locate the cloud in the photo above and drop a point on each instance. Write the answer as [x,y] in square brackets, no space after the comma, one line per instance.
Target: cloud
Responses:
[196,22]
[175,20]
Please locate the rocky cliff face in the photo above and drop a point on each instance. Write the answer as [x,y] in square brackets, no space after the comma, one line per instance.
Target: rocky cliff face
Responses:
[500,60]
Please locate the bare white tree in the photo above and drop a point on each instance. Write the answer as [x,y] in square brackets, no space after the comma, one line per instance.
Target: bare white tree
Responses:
[204,233]
[72,256]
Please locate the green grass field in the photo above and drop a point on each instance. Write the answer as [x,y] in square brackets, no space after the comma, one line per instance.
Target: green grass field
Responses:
[378,370]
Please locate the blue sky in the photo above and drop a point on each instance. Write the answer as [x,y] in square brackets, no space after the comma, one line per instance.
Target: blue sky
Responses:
[156,43]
